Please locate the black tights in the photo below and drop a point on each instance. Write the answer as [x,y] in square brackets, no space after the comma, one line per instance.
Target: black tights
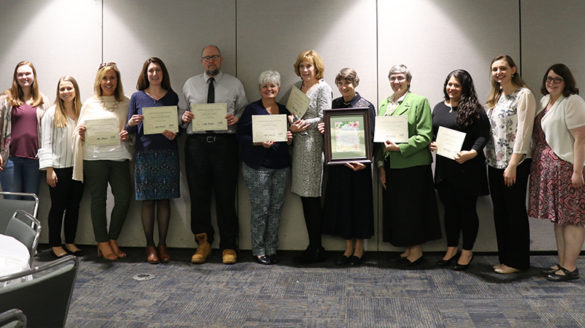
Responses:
[163,214]
[313,213]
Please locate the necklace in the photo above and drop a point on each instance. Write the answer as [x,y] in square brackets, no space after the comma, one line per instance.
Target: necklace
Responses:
[109,106]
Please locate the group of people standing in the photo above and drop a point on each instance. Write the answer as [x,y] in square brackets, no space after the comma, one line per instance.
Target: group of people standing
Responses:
[519,142]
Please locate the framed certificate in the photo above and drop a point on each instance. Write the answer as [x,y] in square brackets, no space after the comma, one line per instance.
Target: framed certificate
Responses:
[158,119]
[102,132]
[207,117]
[449,142]
[298,102]
[347,135]
[393,128]
[269,128]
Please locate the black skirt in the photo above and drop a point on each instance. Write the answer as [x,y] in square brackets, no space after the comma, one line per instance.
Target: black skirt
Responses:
[349,211]
[410,207]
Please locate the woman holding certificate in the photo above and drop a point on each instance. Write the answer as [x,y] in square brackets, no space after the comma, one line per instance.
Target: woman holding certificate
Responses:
[510,108]
[266,168]
[349,205]
[156,162]
[410,208]
[102,152]
[556,181]
[56,157]
[21,109]
[461,179]
[307,154]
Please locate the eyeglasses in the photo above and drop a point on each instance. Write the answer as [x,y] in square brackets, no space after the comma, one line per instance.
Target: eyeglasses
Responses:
[209,58]
[397,78]
[554,80]
[102,65]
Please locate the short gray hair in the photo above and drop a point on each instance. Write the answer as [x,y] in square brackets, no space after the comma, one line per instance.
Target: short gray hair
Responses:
[400,69]
[269,77]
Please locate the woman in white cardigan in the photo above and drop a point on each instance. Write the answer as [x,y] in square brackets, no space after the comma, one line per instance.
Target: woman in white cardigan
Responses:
[102,163]
[557,190]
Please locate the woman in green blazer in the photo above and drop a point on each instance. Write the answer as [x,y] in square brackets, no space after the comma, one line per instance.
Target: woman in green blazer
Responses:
[410,208]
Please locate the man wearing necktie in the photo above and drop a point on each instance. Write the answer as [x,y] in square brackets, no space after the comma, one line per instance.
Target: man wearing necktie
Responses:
[211,157]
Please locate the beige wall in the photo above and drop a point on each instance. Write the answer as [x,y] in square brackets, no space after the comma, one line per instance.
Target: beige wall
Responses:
[431,37]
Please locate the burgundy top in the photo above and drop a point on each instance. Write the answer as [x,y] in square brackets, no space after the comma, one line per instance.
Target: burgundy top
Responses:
[24,135]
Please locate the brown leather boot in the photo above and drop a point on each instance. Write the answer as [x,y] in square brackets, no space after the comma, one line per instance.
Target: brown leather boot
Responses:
[203,249]
[229,256]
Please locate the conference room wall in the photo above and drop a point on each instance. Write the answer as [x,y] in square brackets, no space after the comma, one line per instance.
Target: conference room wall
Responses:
[431,37]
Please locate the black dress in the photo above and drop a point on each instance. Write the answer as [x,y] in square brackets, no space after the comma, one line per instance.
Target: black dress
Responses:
[349,205]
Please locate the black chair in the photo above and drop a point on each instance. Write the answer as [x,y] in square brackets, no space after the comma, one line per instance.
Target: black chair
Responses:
[13,318]
[42,293]
[26,229]
[9,205]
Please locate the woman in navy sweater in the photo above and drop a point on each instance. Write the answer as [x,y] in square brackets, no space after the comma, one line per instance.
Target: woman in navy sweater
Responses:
[266,170]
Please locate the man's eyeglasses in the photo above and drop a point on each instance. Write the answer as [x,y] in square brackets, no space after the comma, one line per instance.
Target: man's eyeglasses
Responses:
[209,58]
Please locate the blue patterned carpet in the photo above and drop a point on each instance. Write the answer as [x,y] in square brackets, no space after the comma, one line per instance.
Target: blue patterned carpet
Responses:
[377,294]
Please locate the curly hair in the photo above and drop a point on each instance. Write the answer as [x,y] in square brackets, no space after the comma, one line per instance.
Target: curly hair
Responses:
[469,107]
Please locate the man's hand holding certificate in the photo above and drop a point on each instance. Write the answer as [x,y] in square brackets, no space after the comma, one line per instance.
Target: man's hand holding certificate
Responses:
[449,142]
[298,102]
[269,128]
[158,119]
[208,117]
[393,128]
[102,132]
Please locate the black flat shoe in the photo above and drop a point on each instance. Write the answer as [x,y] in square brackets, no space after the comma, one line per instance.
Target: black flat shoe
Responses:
[567,276]
[462,267]
[76,253]
[263,259]
[444,263]
[343,260]
[355,261]
[408,263]
[273,259]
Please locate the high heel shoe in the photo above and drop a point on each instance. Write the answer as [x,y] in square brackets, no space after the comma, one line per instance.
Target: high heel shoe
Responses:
[163,254]
[151,256]
[105,251]
[444,263]
[116,249]
[462,267]
[61,254]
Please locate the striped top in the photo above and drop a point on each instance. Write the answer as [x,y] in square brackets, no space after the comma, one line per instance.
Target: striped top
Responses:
[57,143]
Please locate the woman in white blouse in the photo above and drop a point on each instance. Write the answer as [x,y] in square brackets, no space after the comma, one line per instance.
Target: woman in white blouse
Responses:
[56,157]
[510,108]
[102,163]
[557,190]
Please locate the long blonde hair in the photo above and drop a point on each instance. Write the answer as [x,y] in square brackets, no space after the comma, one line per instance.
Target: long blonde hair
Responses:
[60,119]
[496,90]
[16,95]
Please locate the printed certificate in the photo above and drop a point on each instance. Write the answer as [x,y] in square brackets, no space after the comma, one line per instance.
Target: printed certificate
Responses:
[298,102]
[269,128]
[208,117]
[102,132]
[393,128]
[158,119]
[449,142]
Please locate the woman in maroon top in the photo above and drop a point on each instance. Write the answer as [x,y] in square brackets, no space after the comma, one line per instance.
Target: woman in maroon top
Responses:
[21,109]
